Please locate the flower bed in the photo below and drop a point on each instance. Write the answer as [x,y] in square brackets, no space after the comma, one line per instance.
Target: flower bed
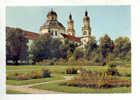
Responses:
[44,73]
[97,80]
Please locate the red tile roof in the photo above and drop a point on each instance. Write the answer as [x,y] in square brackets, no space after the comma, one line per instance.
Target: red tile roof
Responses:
[28,34]
[77,39]
[31,35]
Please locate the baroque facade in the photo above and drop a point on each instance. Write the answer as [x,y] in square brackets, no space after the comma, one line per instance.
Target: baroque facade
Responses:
[57,30]
[52,26]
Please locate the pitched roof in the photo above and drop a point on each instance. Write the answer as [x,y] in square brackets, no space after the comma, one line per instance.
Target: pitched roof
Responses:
[31,35]
[70,37]
[27,34]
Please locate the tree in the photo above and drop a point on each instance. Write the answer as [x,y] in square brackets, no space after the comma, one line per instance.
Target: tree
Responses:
[78,53]
[106,46]
[67,49]
[16,45]
[123,48]
[90,48]
[45,47]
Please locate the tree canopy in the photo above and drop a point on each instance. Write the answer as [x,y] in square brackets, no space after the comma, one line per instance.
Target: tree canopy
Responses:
[46,48]
[16,45]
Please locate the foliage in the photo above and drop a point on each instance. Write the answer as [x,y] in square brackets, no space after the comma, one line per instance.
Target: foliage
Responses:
[78,53]
[123,48]
[44,73]
[90,79]
[91,47]
[45,48]
[71,70]
[106,45]
[71,89]
[112,70]
[16,45]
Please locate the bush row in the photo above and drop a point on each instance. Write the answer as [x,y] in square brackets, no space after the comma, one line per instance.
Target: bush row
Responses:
[95,84]
[44,73]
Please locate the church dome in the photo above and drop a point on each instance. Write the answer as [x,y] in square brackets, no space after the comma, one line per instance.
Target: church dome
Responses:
[53,24]
[52,13]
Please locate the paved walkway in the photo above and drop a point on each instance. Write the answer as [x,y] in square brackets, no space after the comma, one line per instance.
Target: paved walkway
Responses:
[27,89]
[30,90]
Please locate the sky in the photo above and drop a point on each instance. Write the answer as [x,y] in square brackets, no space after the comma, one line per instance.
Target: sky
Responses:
[112,20]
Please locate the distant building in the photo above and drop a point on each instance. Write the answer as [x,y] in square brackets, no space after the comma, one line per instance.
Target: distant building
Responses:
[70,30]
[57,30]
[52,26]
[86,29]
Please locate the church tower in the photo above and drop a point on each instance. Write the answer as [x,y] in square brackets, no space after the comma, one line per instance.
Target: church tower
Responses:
[86,29]
[70,30]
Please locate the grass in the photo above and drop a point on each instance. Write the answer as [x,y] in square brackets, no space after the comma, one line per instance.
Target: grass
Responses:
[58,73]
[14,92]
[25,82]
[70,89]
[60,69]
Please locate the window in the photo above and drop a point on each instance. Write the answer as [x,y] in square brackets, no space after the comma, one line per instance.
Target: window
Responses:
[49,30]
[85,33]
[56,33]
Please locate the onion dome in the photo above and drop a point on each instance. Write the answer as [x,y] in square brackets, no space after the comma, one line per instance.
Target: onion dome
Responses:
[52,13]
[86,16]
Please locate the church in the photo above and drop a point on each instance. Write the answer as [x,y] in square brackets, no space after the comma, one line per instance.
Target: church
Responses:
[57,30]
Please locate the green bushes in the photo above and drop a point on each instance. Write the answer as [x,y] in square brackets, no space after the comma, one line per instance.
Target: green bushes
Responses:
[112,70]
[71,71]
[89,79]
[44,73]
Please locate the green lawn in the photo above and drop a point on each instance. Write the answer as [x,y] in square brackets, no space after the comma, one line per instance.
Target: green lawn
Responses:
[60,68]
[70,89]
[25,82]
[14,92]
[58,73]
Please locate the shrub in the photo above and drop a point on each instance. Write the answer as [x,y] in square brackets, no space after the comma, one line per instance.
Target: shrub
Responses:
[89,79]
[35,75]
[71,71]
[112,70]
[46,73]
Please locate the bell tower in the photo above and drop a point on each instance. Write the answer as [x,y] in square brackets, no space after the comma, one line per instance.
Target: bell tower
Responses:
[86,29]
[70,30]
[86,25]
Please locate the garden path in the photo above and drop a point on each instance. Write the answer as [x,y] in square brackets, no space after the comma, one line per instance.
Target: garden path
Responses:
[27,89]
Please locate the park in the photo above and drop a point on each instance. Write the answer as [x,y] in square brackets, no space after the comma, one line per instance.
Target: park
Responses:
[57,60]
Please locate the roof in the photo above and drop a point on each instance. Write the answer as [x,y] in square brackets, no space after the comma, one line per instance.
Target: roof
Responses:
[31,35]
[51,13]
[70,37]
[27,34]
[53,23]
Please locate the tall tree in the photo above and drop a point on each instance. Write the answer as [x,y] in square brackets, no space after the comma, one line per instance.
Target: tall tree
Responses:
[78,53]
[123,48]
[45,47]
[16,45]
[91,47]
[67,49]
[106,46]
